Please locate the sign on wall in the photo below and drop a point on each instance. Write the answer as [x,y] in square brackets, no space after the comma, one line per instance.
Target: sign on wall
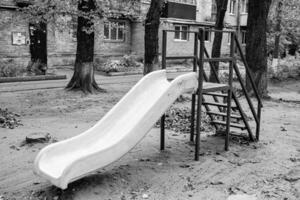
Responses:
[19,38]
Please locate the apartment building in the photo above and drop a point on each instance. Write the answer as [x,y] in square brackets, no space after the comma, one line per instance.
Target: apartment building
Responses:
[115,37]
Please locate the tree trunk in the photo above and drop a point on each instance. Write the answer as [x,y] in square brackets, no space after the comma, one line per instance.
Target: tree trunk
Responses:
[219,25]
[256,46]
[38,48]
[83,77]
[152,22]
[277,36]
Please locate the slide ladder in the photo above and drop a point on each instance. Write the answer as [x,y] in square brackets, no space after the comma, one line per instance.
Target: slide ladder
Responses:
[219,100]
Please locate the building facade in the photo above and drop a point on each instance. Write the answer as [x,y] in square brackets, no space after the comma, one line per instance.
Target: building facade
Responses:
[116,37]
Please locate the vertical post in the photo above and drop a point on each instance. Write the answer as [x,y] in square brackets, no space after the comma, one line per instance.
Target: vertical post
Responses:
[162,132]
[193,106]
[162,120]
[228,117]
[164,49]
[258,123]
[199,93]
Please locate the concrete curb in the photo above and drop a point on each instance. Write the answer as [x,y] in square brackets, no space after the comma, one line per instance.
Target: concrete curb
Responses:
[32,78]
[138,73]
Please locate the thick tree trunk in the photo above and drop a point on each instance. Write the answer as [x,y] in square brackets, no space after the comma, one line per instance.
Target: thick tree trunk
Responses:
[38,48]
[152,22]
[83,77]
[216,49]
[256,46]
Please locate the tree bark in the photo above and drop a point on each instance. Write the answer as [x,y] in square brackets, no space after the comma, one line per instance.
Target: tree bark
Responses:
[219,25]
[277,36]
[83,77]
[256,46]
[151,61]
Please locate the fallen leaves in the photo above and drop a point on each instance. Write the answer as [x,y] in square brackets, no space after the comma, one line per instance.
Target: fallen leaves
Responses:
[9,119]
[179,120]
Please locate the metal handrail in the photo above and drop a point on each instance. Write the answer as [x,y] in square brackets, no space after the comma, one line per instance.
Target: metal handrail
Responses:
[250,76]
[249,73]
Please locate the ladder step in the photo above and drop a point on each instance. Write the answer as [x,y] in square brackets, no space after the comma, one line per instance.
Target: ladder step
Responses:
[223,114]
[214,87]
[215,94]
[224,59]
[235,125]
[218,104]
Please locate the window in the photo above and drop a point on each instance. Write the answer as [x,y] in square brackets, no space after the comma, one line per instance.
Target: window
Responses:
[207,35]
[213,10]
[244,6]
[244,37]
[114,31]
[232,7]
[179,34]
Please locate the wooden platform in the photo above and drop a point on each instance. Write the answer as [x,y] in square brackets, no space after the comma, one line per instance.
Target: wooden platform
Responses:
[213,87]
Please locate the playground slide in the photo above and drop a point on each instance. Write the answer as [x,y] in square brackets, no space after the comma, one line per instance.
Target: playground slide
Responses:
[116,133]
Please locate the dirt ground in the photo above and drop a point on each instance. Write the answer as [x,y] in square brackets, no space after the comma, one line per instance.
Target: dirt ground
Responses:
[268,169]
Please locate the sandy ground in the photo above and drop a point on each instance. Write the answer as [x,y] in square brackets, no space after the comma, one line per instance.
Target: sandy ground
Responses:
[268,169]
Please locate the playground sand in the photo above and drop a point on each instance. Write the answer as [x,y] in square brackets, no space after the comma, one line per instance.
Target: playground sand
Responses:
[269,169]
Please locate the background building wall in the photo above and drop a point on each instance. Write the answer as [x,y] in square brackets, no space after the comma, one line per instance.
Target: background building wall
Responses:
[19,54]
[203,10]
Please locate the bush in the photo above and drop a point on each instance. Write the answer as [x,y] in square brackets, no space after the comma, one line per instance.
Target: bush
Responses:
[10,69]
[287,68]
[126,63]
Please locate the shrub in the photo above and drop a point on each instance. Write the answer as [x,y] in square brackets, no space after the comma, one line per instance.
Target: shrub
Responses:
[36,68]
[10,69]
[287,68]
[126,63]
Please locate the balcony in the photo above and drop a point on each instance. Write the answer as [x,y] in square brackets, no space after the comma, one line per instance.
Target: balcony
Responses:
[179,10]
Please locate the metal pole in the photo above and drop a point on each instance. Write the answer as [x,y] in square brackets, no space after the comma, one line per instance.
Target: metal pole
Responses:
[199,93]
[228,118]
[258,123]
[193,106]
[162,120]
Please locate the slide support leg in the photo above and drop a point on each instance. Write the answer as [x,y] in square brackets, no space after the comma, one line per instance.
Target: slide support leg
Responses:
[162,132]
[193,118]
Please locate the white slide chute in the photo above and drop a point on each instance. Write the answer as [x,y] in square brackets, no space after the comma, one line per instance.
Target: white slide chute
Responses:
[116,133]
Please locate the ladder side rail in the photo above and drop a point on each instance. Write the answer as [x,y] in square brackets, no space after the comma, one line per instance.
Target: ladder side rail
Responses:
[246,93]
[243,115]
[249,73]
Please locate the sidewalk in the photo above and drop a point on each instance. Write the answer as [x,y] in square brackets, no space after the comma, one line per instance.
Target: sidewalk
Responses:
[52,84]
